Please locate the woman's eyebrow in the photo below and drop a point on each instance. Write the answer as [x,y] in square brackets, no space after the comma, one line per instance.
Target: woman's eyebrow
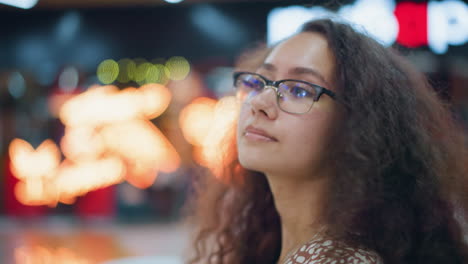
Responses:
[268,67]
[296,71]
[308,71]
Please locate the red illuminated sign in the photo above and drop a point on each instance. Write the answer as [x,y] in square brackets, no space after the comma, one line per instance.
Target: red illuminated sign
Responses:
[412,21]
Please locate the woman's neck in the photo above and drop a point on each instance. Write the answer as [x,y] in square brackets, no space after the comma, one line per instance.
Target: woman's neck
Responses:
[300,205]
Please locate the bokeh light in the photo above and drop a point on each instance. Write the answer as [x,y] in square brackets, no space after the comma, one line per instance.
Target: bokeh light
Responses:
[216,151]
[35,169]
[155,99]
[82,143]
[164,74]
[210,129]
[108,71]
[196,119]
[42,255]
[158,73]
[108,139]
[28,163]
[153,74]
[16,84]
[127,70]
[144,148]
[76,179]
[37,192]
[142,72]
[68,79]
[178,67]
[108,104]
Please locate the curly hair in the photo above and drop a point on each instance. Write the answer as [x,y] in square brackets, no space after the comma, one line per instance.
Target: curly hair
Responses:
[401,182]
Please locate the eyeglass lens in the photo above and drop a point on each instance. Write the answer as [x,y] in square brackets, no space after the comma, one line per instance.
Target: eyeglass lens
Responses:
[293,96]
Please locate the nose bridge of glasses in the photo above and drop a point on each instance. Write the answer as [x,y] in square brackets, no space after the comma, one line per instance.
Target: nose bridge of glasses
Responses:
[264,94]
[272,86]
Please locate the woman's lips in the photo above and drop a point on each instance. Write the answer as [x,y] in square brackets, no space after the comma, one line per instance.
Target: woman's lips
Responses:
[257,137]
[258,134]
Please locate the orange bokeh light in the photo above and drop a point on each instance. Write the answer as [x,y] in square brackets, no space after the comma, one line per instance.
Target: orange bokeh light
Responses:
[108,139]
[107,104]
[155,98]
[28,163]
[76,179]
[82,143]
[144,148]
[35,169]
[42,255]
[36,192]
[212,148]
[196,119]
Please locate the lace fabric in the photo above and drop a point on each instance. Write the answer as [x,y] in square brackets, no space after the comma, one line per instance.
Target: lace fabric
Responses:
[331,252]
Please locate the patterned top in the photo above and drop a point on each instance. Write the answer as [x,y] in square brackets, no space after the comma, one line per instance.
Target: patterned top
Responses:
[320,251]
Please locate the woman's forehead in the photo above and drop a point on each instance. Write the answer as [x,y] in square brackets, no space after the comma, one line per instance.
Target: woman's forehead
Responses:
[304,53]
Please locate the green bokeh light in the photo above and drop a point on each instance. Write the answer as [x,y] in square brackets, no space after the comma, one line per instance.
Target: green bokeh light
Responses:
[107,71]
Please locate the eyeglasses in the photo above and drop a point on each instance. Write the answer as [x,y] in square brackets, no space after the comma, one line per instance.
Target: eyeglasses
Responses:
[292,96]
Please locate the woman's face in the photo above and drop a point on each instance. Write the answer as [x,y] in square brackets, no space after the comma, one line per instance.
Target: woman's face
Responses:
[301,141]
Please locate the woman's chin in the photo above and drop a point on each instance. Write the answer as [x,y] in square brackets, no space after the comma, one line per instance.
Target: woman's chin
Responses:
[250,164]
[255,166]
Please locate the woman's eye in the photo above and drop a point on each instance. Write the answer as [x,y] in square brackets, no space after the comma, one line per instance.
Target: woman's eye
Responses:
[253,84]
[300,92]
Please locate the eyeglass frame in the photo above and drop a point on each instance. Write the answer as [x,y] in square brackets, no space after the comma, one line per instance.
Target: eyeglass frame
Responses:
[274,85]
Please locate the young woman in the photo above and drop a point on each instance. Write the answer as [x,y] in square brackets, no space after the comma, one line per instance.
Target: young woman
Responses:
[343,154]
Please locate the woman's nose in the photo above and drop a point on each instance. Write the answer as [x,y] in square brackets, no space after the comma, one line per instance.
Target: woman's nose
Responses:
[265,103]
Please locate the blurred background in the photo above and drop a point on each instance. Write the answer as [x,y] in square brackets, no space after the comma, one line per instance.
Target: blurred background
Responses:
[109,109]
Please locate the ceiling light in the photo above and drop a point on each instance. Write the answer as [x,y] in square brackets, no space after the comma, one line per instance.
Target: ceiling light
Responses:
[173,1]
[25,4]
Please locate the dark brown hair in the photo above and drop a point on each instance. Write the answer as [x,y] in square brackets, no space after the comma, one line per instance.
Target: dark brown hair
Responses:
[401,184]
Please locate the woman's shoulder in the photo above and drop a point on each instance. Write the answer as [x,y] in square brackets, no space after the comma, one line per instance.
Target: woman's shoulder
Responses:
[323,251]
